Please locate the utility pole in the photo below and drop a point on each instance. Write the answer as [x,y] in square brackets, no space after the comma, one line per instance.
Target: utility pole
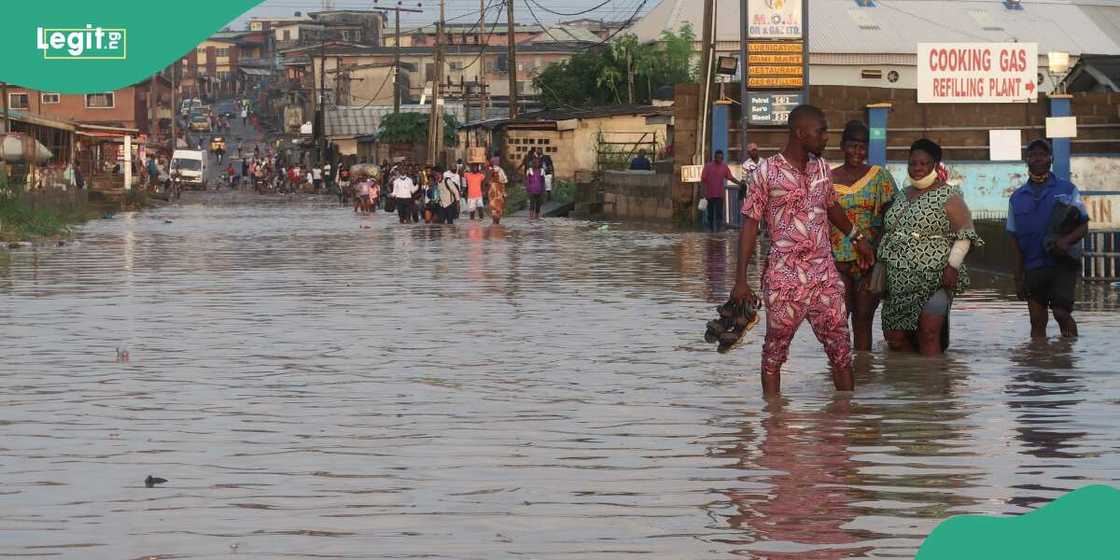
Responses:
[174,107]
[706,57]
[463,88]
[397,53]
[480,77]
[512,60]
[435,127]
[397,67]
[7,122]
[322,96]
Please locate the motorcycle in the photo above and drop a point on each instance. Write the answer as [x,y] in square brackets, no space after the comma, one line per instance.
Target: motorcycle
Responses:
[175,187]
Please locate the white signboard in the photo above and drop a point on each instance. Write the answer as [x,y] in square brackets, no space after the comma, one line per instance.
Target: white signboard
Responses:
[774,19]
[691,173]
[977,72]
[1005,145]
[1061,127]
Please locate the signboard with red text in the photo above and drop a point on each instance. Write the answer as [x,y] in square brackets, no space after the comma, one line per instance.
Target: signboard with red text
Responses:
[977,72]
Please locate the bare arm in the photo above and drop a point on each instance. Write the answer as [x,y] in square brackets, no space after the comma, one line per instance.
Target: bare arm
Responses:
[748,238]
[960,217]
[839,218]
[1076,235]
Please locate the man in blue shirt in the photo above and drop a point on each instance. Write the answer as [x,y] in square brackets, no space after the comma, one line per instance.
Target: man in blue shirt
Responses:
[1045,252]
[641,163]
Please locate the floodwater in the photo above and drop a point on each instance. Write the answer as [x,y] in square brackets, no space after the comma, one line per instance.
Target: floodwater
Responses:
[315,384]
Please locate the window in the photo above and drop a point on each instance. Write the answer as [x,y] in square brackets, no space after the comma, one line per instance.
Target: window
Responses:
[202,50]
[287,35]
[50,98]
[223,52]
[18,100]
[100,100]
[871,74]
[456,66]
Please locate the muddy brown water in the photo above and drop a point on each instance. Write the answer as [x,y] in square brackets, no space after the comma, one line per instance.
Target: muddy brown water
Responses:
[315,384]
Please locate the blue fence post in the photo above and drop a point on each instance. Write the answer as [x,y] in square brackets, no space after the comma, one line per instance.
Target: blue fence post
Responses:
[1060,107]
[721,113]
[877,122]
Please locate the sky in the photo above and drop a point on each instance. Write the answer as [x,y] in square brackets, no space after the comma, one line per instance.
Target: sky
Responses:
[462,10]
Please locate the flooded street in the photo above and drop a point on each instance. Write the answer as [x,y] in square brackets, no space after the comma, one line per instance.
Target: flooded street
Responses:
[315,384]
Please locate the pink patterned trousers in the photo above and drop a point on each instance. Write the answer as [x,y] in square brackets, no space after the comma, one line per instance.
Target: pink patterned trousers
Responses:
[822,304]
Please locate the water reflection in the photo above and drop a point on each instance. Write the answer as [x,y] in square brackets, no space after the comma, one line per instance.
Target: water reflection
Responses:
[810,484]
[1044,393]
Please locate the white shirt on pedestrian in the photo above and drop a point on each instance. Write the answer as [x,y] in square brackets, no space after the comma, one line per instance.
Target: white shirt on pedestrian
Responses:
[403,187]
[317,173]
[454,179]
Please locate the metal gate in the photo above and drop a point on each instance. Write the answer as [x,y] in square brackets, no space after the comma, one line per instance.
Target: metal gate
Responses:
[1102,255]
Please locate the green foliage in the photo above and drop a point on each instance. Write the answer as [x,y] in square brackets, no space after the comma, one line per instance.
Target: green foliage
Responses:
[625,71]
[564,191]
[136,198]
[412,128]
[22,221]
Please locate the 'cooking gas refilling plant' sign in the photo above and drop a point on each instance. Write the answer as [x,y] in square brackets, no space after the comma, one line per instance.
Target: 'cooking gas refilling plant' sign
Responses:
[977,72]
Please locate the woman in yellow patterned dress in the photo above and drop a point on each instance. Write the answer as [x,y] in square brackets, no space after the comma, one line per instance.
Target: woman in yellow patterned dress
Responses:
[865,192]
[497,193]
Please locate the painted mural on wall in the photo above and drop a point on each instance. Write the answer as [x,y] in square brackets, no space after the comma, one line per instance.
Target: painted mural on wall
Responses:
[988,185]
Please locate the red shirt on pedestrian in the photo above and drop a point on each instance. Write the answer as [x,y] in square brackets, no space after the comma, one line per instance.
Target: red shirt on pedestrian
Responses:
[714,176]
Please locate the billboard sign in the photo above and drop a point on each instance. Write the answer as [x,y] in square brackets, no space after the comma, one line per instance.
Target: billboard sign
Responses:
[977,72]
[774,19]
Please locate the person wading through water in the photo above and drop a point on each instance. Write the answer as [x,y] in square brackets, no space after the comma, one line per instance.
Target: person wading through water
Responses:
[792,193]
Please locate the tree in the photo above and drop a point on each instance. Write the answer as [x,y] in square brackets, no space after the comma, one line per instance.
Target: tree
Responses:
[412,128]
[624,67]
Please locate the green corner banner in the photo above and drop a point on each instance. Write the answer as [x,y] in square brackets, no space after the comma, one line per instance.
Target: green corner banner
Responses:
[1081,525]
[83,46]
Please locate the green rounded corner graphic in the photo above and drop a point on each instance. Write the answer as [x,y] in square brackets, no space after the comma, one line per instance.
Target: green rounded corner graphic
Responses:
[1081,525]
[78,46]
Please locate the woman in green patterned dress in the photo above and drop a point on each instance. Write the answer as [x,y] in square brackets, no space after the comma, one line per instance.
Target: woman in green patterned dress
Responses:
[927,233]
[865,193]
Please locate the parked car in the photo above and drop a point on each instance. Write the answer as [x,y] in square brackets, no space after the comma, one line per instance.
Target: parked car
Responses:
[200,122]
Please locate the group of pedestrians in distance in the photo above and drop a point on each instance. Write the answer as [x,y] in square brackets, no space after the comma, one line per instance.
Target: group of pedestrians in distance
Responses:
[435,194]
[844,240]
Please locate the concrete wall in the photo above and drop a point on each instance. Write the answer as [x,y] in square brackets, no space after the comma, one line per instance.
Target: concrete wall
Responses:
[962,129]
[577,149]
[625,195]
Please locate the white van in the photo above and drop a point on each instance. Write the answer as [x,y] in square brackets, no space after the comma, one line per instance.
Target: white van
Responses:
[191,166]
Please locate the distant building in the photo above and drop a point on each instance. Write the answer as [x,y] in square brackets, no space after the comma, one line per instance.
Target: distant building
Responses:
[869,44]
[145,106]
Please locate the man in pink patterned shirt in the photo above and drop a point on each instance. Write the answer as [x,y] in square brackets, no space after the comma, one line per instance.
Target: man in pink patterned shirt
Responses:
[792,192]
